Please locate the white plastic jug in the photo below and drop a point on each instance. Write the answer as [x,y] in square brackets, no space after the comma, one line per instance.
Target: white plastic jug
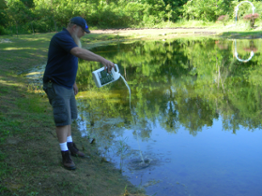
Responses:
[102,77]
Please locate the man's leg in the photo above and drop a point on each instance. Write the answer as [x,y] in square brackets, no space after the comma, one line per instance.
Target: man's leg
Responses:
[59,97]
[62,133]
[73,115]
[71,145]
[69,131]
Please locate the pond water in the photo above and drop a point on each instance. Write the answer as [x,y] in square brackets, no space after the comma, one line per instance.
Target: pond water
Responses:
[194,124]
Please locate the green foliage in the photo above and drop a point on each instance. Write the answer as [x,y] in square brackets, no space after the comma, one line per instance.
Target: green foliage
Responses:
[208,10]
[17,13]
[2,4]
[176,7]
[3,19]
[3,31]
[28,3]
[29,16]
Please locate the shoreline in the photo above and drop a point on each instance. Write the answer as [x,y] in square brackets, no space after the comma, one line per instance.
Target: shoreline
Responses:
[30,159]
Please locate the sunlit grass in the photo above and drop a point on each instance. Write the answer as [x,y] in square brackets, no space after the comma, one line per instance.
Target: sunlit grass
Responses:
[7,83]
[194,23]
[21,48]
[231,25]
[97,94]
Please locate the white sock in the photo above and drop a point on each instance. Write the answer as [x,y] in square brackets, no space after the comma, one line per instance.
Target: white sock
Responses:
[63,146]
[69,139]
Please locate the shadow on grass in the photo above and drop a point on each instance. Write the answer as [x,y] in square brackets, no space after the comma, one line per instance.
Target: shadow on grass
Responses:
[243,34]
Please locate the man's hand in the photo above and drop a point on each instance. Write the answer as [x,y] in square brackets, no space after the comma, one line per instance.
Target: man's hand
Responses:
[75,88]
[108,64]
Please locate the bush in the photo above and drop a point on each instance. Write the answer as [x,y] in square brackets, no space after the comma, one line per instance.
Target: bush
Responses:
[3,31]
[251,18]
[223,19]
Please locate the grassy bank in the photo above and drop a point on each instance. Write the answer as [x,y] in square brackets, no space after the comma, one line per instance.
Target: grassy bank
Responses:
[30,158]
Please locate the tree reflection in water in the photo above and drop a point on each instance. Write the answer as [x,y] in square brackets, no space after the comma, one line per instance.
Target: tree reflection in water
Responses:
[179,82]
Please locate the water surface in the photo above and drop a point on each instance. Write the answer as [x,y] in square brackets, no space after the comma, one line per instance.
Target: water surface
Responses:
[194,126]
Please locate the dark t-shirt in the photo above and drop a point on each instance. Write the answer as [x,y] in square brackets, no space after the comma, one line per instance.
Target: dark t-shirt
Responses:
[61,65]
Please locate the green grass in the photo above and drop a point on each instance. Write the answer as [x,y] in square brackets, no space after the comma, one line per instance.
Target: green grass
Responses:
[32,105]
[30,159]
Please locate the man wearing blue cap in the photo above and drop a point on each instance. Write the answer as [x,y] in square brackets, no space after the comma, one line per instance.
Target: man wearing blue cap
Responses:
[59,82]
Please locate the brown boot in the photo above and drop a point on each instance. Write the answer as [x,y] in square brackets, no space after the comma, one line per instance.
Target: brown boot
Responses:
[67,161]
[74,151]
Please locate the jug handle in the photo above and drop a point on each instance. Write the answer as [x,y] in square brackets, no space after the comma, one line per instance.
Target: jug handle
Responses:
[117,69]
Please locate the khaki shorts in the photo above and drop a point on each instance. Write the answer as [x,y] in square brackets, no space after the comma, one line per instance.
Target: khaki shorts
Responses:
[63,103]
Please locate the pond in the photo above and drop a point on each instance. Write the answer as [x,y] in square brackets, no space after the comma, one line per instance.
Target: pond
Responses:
[193,126]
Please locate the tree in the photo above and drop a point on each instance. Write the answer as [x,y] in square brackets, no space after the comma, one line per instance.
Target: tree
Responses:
[169,12]
[251,18]
[2,17]
[28,3]
[207,10]
[17,12]
[2,4]
[176,7]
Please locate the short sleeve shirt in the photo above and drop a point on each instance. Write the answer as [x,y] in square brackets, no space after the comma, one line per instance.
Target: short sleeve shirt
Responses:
[61,65]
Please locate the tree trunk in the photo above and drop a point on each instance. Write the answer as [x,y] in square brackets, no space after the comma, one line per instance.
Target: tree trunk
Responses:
[54,23]
[33,28]
[252,23]
[11,30]
[53,15]
[16,28]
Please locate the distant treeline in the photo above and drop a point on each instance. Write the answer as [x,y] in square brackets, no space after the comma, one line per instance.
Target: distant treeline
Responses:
[30,16]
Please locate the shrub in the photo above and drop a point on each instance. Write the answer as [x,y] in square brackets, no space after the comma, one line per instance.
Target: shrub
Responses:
[2,31]
[251,18]
[251,48]
[223,19]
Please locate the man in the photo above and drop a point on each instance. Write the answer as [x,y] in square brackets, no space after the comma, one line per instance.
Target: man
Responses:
[60,85]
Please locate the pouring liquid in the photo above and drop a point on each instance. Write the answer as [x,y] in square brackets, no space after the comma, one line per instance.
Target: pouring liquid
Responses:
[102,78]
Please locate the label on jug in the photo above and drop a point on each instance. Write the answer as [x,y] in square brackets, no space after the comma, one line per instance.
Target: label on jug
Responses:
[105,77]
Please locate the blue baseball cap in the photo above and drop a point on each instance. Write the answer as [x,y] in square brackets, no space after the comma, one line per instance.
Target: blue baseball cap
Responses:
[80,22]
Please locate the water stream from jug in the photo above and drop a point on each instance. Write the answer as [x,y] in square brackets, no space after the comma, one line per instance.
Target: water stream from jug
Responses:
[141,155]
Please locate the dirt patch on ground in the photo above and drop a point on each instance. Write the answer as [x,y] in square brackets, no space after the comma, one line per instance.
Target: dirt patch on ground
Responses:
[139,30]
[176,32]
[157,31]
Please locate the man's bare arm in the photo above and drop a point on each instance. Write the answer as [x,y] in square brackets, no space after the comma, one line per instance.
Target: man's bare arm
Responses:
[90,56]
